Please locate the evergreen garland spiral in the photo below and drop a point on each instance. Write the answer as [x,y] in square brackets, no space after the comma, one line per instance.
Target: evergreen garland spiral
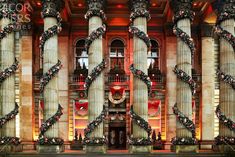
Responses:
[5,139]
[91,127]
[11,27]
[142,123]
[42,139]
[136,31]
[180,14]
[226,12]
[50,9]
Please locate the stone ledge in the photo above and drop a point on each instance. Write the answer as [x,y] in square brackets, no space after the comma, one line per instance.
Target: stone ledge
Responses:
[140,149]
[96,149]
[185,148]
[50,149]
[11,148]
[224,148]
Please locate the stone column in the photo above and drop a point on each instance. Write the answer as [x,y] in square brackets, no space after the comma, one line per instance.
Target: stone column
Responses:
[140,90]
[170,89]
[208,87]
[96,90]
[227,66]
[26,91]
[50,59]
[184,63]
[8,85]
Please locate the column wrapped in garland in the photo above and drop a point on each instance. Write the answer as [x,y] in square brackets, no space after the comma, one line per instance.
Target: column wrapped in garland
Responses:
[8,108]
[186,86]
[140,140]
[225,111]
[94,83]
[49,130]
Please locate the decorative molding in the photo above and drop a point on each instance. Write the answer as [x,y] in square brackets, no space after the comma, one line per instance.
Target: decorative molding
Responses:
[95,4]
[139,4]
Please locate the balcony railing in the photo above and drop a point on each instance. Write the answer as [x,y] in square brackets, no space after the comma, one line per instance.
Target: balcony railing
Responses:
[117,78]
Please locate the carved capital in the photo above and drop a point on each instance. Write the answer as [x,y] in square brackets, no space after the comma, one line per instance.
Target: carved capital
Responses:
[95,4]
[177,5]
[53,5]
[139,4]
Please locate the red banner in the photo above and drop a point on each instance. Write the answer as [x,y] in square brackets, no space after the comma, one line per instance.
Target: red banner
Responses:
[81,108]
[154,107]
[117,89]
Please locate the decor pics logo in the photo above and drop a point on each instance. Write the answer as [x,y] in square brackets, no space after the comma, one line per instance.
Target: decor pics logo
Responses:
[19,14]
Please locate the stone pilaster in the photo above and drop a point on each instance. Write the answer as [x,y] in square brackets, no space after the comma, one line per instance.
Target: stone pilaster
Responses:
[26,91]
[227,66]
[184,63]
[140,90]
[170,89]
[96,90]
[208,87]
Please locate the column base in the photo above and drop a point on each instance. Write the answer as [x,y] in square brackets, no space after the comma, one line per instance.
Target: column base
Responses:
[96,149]
[224,148]
[11,148]
[185,148]
[50,149]
[140,149]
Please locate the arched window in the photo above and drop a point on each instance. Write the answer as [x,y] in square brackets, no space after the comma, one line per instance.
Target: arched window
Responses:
[117,55]
[81,57]
[153,56]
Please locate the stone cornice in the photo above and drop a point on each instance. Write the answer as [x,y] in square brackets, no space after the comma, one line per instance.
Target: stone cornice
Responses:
[56,5]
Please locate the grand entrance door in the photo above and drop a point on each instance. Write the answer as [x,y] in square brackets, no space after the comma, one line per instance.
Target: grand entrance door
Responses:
[117,137]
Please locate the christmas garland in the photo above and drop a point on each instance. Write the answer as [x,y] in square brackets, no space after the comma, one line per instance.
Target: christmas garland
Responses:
[94,35]
[99,31]
[50,32]
[12,16]
[93,75]
[8,71]
[91,127]
[136,31]
[5,139]
[184,13]
[49,75]
[142,76]
[186,78]
[9,116]
[226,14]
[226,78]
[144,125]
[187,123]
[43,140]
[123,98]
[223,119]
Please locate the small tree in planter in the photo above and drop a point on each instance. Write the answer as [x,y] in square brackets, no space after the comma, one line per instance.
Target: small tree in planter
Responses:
[154,137]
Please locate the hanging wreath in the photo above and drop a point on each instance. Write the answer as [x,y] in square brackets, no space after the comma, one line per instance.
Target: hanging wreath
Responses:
[121,91]
[42,139]
[93,75]
[9,71]
[188,124]
[142,123]
[91,127]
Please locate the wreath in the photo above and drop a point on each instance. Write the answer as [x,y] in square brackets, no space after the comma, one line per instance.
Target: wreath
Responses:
[115,101]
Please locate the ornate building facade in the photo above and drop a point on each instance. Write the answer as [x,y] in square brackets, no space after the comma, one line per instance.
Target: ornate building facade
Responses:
[116,74]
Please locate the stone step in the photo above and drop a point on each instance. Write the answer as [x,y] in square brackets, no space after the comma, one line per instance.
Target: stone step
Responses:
[119,154]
